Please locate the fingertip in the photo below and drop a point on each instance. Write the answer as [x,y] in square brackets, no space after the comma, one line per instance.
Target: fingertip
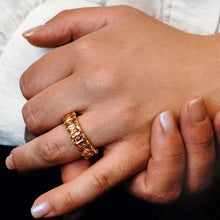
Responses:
[41,210]
[166,141]
[195,122]
[193,111]
[48,35]
[29,33]
[197,109]
[38,36]
[165,135]
[9,162]
[168,122]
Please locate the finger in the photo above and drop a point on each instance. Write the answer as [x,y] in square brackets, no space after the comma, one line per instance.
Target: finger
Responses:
[162,181]
[50,149]
[123,161]
[55,147]
[45,110]
[49,69]
[72,24]
[72,170]
[197,133]
[69,172]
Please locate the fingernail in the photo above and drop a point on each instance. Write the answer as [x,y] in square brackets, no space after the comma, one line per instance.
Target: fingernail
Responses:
[197,109]
[30,32]
[9,162]
[168,122]
[41,210]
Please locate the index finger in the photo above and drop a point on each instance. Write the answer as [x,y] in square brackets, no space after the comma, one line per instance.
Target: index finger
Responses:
[120,163]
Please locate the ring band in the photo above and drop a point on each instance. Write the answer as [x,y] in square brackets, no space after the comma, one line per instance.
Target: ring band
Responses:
[78,136]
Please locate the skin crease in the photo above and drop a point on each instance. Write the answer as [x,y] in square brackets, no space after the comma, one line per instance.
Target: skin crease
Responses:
[167,160]
[153,81]
[112,93]
[167,175]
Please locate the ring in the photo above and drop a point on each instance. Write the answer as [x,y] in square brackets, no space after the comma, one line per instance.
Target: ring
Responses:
[78,136]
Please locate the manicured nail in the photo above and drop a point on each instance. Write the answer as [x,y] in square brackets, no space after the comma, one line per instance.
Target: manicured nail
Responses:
[30,32]
[41,210]
[197,109]
[9,162]
[168,122]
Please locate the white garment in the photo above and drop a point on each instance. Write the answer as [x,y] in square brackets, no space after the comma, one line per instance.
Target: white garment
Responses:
[194,16]
[16,16]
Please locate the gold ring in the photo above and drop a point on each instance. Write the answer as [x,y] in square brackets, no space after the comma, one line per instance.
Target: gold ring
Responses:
[78,136]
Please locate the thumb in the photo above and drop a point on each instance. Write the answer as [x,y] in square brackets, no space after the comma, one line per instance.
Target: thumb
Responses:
[69,25]
[162,181]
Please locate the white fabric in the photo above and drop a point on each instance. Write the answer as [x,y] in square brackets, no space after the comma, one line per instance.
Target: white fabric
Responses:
[17,56]
[194,16]
[16,16]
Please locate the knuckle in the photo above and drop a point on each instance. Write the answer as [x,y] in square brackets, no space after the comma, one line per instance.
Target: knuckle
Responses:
[25,82]
[109,80]
[104,81]
[50,151]
[204,140]
[85,48]
[99,183]
[125,10]
[162,197]
[69,201]
[127,111]
[54,93]
[20,159]
[30,117]
[63,14]
[169,197]
[173,158]
[199,186]
[207,140]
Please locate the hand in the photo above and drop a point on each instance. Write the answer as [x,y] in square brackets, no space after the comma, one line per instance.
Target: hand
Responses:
[182,160]
[97,79]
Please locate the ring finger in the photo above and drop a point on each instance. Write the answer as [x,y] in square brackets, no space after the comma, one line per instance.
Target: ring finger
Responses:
[55,147]
[52,148]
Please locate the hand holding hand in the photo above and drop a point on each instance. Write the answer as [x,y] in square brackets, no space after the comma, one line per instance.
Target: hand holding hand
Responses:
[182,159]
[112,76]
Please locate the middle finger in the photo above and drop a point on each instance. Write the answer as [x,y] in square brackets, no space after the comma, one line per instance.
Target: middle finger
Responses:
[46,109]
[49,69]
